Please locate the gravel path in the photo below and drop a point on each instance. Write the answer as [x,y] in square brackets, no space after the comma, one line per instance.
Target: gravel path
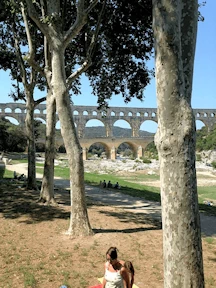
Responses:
[129,203]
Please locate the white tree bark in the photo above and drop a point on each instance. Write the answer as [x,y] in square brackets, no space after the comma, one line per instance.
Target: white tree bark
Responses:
[58,41]
[175,28]
[47,187]
[29,85]
[29,121]
[79,222]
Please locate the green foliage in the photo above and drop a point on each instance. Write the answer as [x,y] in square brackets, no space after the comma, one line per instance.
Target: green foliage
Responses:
[213,164]
[206,140]
[12,137]
[147,161]
[127,153]
[198,157]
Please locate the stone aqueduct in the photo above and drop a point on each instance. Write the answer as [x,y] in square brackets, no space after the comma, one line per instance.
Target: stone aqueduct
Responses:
[82,114]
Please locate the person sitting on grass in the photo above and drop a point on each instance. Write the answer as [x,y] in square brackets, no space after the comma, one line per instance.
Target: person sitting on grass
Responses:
[116,275]
[104,184]
[109,184]
[117,186]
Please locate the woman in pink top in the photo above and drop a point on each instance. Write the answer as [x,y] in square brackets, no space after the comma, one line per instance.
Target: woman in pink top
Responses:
[116,275]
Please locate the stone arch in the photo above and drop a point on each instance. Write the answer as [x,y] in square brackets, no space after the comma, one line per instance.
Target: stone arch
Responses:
[121,113]
[112,113]
[127,132]
[94,113]
[17,110]
[40,119]
[85,113]
[149,126]
[130,114]
[123,150]
[13,120]
[100,148]
[212,115]
[138,114]
[75,112]
[103,113]
[94,125]
[8,110]
[37,111]
[146,114]
[199,124]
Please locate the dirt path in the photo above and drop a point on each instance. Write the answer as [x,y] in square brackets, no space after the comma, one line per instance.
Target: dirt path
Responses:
[129,203]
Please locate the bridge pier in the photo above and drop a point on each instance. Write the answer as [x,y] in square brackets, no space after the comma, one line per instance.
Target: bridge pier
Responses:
[139,152]
[113,153]
[85,153]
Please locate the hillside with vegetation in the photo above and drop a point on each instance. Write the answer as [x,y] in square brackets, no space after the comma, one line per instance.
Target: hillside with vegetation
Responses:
[13,139]
[206,140]
[99,131]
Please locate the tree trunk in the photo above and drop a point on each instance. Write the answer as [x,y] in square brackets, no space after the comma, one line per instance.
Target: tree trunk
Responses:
[47,188]
[175,140]
[79,222]
[31,182]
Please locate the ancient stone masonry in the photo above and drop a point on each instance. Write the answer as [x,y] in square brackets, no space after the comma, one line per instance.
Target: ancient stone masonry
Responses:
[82,114]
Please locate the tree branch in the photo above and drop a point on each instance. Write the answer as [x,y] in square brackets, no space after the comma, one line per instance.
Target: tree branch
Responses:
[31,54]
[39,101]
[189,20]
[19,55]
[37,19]
[77,73]
[87,63]
[80,21]
[91,6]
[92,45]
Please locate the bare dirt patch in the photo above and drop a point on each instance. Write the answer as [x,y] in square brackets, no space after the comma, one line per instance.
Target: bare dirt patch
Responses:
[35,252]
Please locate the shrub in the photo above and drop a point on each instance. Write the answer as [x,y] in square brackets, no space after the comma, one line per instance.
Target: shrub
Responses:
[198,157]
[147,161]
[213,164]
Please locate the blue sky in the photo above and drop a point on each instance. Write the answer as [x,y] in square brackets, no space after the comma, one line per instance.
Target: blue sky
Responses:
[204,83]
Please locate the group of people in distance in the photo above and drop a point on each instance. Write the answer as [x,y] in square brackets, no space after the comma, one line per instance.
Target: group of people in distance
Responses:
[118,273]
[109,185]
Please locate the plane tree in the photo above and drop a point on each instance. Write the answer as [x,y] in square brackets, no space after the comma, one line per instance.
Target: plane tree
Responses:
[110,42]
[25,78]
[175,31]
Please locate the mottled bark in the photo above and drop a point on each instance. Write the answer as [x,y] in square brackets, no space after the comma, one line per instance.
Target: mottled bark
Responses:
[79,222]
[29,121]
[175,28]
[47,187]
[58,41]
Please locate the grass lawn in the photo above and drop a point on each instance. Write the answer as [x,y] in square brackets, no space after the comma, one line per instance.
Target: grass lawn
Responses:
[130,185]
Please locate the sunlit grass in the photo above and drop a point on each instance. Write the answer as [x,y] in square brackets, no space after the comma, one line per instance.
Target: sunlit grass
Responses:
[207,193]
[8,174]
[130,185]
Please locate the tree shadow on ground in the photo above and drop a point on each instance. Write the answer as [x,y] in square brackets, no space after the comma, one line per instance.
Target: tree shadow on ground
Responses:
[148,222]
[17,201]
[128,231]
[150,195]
[209,210]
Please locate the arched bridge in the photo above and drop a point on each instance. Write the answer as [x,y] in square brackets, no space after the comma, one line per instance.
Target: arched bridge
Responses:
[135,117]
